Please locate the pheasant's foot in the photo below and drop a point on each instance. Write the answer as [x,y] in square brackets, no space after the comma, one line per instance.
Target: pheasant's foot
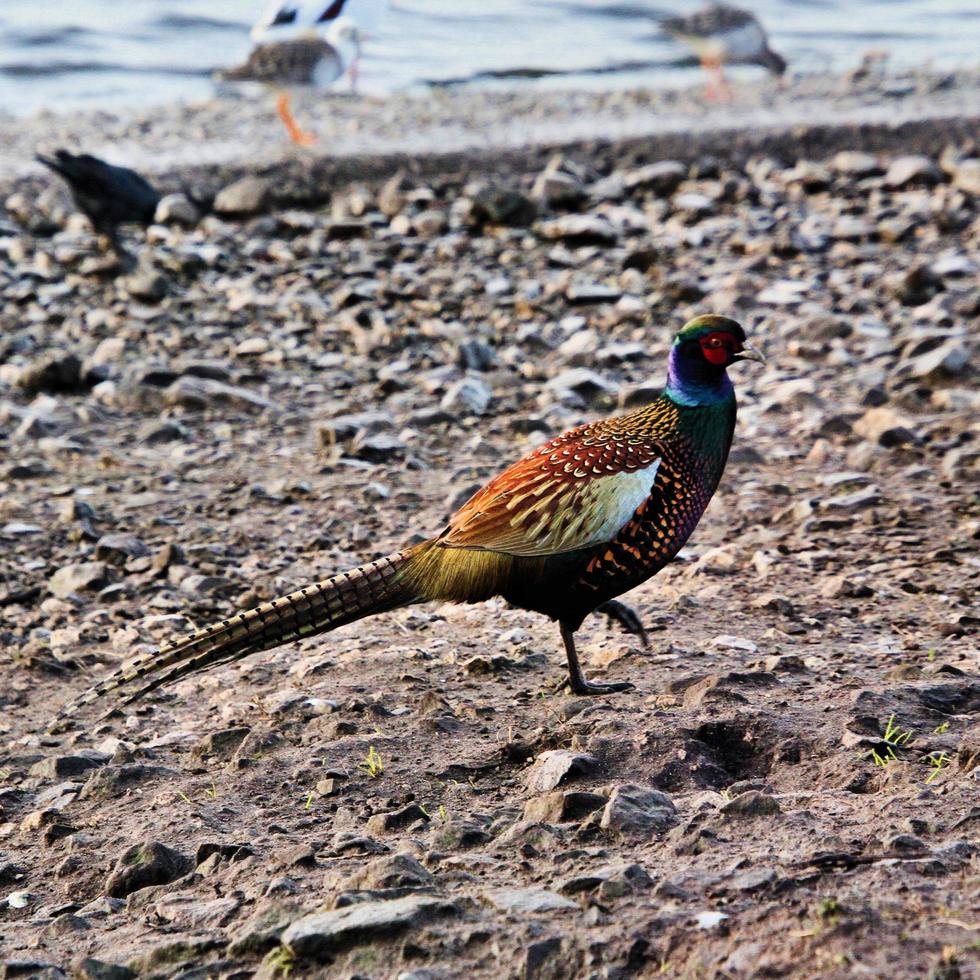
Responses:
[597,687]
[576,681]
[620,613]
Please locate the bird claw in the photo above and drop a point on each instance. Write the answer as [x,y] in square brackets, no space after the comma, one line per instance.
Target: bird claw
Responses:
[620,613]
[591,688]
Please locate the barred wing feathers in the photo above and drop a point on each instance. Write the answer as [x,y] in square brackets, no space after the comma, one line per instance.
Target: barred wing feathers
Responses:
[575,492]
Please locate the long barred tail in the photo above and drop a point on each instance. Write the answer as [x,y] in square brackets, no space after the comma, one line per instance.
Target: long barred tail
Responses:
[376,587]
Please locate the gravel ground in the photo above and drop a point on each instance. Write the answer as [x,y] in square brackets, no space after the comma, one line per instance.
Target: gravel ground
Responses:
[274,395]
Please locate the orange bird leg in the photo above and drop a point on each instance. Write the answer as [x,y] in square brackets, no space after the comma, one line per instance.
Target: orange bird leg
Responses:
[716,87]
[296,134]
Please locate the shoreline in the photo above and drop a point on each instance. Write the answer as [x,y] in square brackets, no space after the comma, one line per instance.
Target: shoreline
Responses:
[464,131]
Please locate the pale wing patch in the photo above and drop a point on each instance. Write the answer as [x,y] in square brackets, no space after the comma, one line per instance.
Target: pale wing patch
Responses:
[558,516]
[619,503]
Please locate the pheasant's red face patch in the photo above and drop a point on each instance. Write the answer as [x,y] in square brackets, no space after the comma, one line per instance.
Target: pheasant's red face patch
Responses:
[719,347]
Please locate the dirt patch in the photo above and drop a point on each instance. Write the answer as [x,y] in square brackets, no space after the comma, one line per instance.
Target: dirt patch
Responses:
[790,790]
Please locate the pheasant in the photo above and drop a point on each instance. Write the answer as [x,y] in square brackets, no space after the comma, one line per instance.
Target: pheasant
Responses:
[722,35]
[563,531]
[108,195]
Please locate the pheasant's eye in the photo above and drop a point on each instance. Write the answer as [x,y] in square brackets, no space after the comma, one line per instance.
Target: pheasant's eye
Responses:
[713,342]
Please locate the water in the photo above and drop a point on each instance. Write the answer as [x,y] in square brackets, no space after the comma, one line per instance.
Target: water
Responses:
[91,54]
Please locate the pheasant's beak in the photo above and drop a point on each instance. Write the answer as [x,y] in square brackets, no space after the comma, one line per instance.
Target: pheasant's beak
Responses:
[750,354]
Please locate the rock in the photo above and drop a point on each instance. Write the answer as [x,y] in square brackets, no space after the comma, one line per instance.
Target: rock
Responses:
[221,744]
[557,189]
[263,930]
[528,901]
[394,871]
[751,804]
[160,433]
[858,500]
[469,395]
[177,209]
[393,195]
[966,175]
[379,447]
[579,230]
[430,223]
[255,745]
[635,809]
[30,970]
[886,427]
[548,959]
[845,586]
[502,206]
[912,170]
[143,865]
[475,355]
[55,371]
[386,823]
[588,293]
[709,920]
[694,206]
[113,781]
[243,197]
[854,163]
[147,285]
[322,934]
[199,586]
[661,178]
[117,549]
[728,642]
[629,876]
[784,292]
[584,383]
[201,393]
[343,428]
[553,768]
[92,969]
[947,360]
[86,576]
[725,687]
[67,766]
[562,806]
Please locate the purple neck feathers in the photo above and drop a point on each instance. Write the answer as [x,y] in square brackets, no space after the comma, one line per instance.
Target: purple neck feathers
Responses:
[691,382]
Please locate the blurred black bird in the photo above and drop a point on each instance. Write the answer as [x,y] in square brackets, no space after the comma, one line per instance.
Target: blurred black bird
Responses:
[108,195]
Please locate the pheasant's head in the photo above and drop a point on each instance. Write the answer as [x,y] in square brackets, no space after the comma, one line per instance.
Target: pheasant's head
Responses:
[703,348]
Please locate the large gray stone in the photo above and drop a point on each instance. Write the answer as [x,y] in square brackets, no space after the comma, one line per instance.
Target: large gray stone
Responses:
[245,196]
[144,865]
[634,809]
[528,901]
[83,576]
[553,768]
[324,933]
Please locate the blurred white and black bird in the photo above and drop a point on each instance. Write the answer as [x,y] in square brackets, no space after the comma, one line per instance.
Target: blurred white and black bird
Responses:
[307,44]
[722,35]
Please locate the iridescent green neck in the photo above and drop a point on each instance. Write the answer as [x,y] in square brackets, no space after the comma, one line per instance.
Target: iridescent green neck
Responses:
[694,383]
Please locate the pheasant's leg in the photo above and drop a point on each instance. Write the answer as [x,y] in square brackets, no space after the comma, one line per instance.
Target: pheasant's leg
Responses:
[576,681]
[620,613]
[296,134]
